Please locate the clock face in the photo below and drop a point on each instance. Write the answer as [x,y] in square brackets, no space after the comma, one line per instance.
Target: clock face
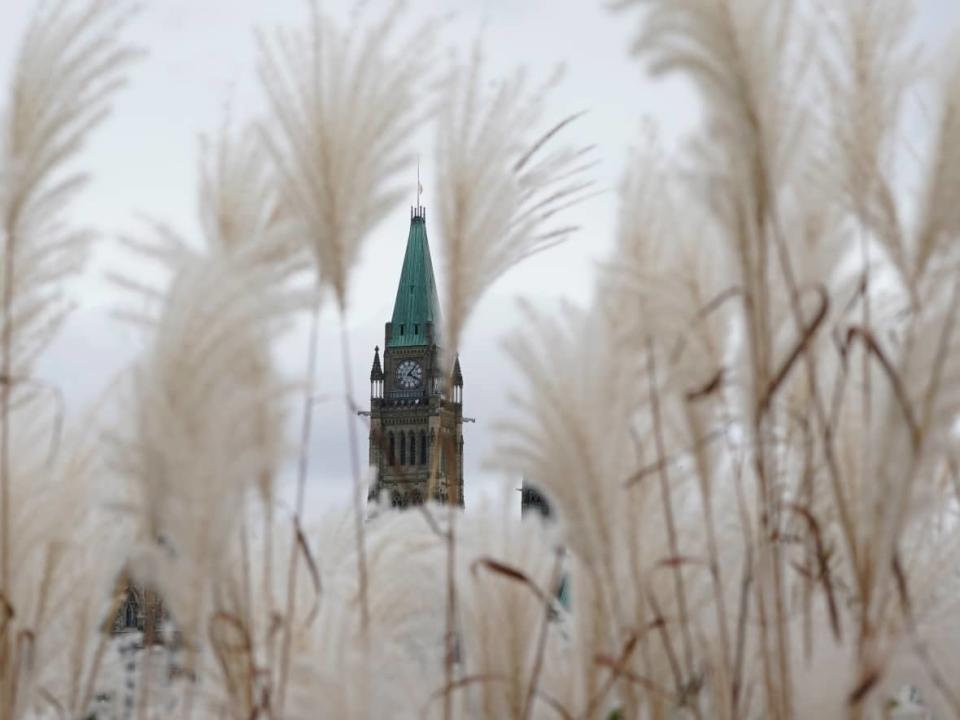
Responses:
[409,374]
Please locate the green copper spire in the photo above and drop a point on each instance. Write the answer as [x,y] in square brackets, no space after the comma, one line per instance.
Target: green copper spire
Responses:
[416,304]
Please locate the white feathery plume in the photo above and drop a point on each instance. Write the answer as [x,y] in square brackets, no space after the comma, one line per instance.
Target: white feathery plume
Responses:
[865,88]
[334,668]
[65,554]
[343,103]
[745,56]
[333,676]
[582,433]
[203,427]
[70,64]
[668,279]
[561,437]
[240,203]
[748,59]
[207,405]
[393,670]
[505,181]
[934,243]
[508,577]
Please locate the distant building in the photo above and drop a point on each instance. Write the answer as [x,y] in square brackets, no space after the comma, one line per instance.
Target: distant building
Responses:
[140,610]
[416,411]
[532,500]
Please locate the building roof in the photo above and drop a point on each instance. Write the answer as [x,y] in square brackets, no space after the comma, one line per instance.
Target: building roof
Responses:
[416,303]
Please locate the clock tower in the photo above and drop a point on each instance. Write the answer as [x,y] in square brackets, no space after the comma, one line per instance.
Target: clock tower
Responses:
[416,410]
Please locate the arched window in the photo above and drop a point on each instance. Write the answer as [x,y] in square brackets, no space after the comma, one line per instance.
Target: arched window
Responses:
[403,449]
[416,498]
[396,500]
[413,448]
[391,451]
[423,448]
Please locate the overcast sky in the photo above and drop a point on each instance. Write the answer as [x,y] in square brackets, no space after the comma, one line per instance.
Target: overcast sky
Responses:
[201,59]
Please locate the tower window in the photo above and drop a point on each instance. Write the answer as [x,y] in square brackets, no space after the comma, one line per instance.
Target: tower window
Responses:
[423,448]
[401,329]
[391,450]
[413,448]
[416,329]
[403,450]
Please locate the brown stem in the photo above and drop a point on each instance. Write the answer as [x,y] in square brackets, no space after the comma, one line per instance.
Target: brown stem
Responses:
[542,640]
[679,589]
[823,573]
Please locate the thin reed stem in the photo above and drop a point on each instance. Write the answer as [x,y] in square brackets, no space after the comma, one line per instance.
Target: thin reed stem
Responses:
[450,648]
[358,494]
[303,466]
[555,576]
[6,387]
[706,498]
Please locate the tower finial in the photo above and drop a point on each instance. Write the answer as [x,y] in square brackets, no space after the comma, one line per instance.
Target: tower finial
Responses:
[419,186]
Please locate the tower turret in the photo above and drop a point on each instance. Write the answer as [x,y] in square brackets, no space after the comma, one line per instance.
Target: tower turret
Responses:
[457,382]
[376,376]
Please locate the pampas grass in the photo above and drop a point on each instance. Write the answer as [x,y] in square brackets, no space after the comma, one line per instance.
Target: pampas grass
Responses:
[504,182]
[68,67]
[343,102]
[748,435]
[54,590]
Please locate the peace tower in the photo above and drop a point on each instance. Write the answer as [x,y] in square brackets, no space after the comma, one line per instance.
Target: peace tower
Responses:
[416,412]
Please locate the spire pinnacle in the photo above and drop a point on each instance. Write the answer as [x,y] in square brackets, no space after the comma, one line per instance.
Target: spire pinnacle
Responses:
[457,373]
[419,186]
[376,372]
